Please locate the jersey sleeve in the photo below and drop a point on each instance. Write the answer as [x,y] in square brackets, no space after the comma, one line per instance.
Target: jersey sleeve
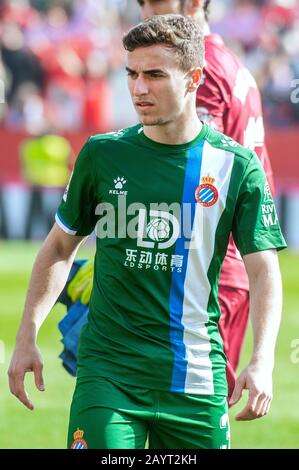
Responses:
[76,212]
[255,225]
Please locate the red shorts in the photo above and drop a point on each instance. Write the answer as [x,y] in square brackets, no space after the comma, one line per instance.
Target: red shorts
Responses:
[234,304]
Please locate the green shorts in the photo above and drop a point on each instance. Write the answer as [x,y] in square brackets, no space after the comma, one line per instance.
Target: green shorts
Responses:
[108,415]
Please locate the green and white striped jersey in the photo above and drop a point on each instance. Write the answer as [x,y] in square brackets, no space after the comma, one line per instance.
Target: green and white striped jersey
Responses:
[163,215]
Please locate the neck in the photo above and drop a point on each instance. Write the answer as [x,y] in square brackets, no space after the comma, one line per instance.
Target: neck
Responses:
[180,131]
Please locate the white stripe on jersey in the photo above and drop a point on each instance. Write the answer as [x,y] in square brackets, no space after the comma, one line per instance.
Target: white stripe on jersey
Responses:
[63,226]
[218,164]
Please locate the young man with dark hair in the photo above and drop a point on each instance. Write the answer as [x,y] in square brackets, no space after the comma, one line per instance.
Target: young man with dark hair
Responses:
[229,101]
[164,197]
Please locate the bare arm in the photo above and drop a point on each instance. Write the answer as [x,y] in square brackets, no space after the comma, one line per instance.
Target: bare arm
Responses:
[265,310]
[49,275]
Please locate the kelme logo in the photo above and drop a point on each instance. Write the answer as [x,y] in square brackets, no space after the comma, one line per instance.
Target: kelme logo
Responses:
[119,182]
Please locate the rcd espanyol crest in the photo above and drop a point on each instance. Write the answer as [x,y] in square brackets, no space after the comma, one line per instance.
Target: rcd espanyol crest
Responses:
[206,194]
[79,442]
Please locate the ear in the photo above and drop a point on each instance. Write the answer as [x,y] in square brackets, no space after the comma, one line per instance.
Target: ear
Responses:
[196,76]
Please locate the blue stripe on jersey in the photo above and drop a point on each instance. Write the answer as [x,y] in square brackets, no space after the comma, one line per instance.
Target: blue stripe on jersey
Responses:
[192,181]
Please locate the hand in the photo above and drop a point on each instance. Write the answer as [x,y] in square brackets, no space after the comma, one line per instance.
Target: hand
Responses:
[26,358]
[258,381]
[80,286]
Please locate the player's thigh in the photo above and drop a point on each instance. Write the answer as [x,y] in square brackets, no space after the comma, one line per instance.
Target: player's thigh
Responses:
[104,428]
[191,422]
[101,417]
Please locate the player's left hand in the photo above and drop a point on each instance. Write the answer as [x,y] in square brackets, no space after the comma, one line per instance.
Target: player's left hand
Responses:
[258,381]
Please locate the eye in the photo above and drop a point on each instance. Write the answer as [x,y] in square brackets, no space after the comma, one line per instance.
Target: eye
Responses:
[131,74]
[156,75]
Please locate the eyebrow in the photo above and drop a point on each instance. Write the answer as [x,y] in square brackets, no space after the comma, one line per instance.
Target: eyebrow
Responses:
[147,72]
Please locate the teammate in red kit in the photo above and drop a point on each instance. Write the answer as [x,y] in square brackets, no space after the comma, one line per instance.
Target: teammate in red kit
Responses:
[229,101]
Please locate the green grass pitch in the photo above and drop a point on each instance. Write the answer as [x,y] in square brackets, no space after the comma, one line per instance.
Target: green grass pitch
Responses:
[46,426]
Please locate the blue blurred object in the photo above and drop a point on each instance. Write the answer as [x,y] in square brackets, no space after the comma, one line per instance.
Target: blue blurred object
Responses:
[71,324]
[70,327]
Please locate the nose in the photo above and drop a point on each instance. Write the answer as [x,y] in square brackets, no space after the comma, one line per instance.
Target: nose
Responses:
[140,87]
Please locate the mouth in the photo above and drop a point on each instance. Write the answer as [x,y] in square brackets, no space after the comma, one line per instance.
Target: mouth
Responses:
[143,105]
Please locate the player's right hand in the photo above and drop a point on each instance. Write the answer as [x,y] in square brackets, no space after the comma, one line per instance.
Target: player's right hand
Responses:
[26,358]
[80,286]
[258,381]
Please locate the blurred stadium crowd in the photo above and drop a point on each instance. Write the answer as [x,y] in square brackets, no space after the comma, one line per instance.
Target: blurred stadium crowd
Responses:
[61,60]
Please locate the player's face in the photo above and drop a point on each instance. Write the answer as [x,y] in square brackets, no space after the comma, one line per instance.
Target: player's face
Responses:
[159,7]
[158,86]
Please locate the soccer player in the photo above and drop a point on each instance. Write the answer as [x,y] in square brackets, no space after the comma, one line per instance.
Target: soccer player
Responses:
[164,197]
[229,101]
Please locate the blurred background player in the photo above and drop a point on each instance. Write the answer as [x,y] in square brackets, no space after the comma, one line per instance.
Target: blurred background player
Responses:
[229,101]
[45,164]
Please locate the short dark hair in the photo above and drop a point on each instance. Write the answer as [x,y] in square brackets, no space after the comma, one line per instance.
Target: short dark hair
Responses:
[206,7]
[177,32]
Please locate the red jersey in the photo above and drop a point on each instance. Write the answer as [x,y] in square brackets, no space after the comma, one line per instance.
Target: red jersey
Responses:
[228,100]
